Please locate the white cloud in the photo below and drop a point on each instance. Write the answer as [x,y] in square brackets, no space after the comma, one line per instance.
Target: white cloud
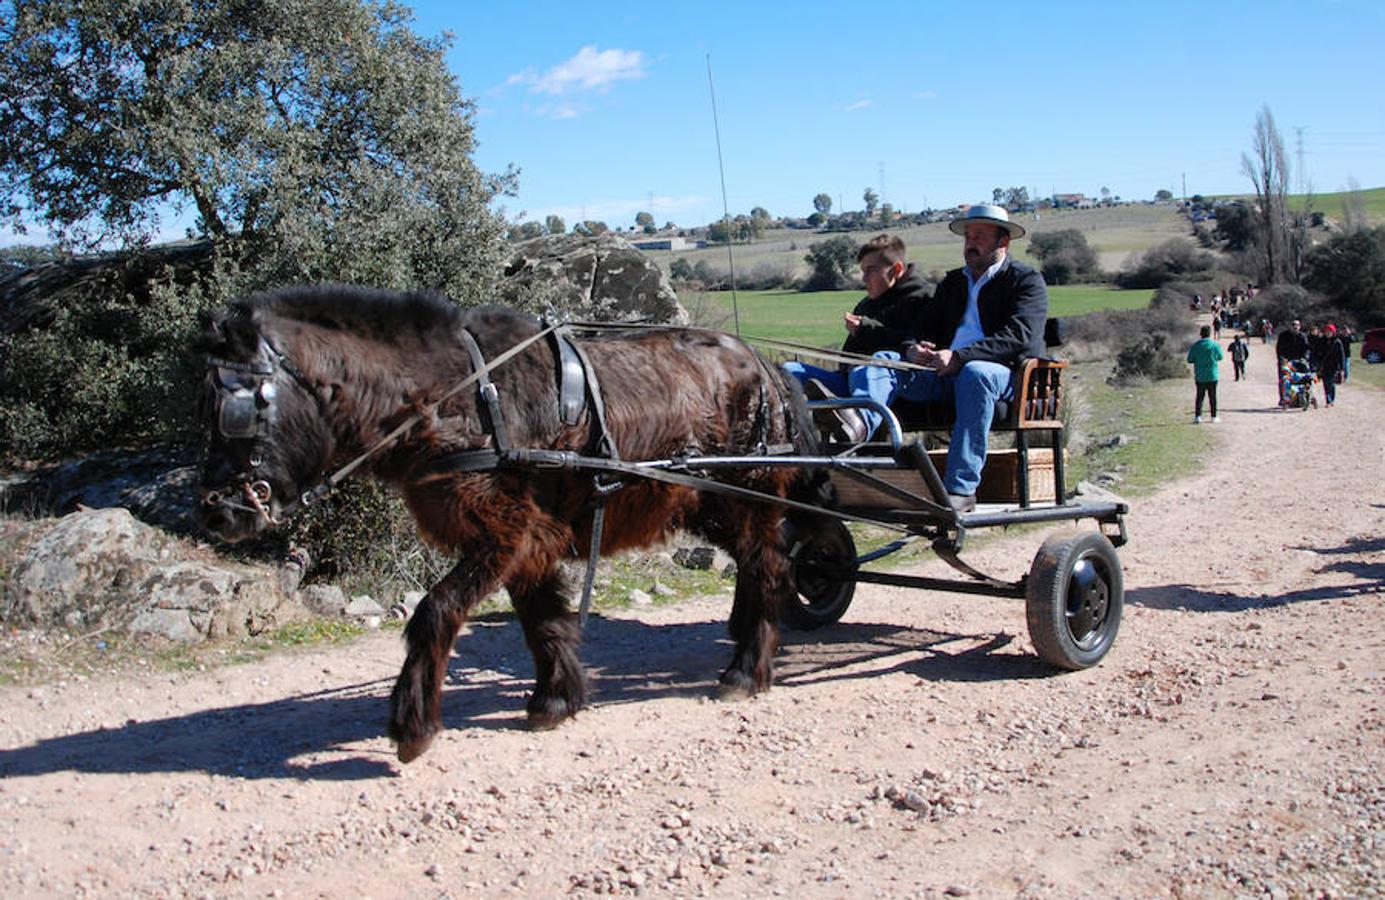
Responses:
[589,70]
[860,104]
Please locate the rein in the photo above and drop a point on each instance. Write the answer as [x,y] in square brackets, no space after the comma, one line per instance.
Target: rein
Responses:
[328,484]
[837,356]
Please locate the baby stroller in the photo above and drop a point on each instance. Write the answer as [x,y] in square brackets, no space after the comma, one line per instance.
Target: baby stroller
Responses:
[1296,384]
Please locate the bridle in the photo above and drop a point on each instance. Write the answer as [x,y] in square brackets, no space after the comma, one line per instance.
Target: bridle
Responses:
[245,395]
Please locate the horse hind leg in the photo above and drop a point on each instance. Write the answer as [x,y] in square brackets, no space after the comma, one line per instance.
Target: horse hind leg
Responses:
[553,634]
[416,702]
[762,578]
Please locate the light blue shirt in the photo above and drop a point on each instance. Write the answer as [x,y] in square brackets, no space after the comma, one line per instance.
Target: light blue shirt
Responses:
[969,329]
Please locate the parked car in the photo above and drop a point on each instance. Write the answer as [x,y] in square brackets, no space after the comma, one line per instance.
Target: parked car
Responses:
[1373,345]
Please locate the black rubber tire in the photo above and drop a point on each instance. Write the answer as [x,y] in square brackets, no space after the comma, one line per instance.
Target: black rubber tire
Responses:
[1073,599]
[1375,356]
[824,576]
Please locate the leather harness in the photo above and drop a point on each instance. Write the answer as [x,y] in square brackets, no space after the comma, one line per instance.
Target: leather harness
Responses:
[579,390]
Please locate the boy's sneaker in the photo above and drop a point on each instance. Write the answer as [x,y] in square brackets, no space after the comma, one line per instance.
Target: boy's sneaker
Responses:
[1215,419]
[1197,420]
[846,425]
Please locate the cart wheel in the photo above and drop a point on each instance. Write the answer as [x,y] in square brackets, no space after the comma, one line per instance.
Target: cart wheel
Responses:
[824,572]
[1073,599]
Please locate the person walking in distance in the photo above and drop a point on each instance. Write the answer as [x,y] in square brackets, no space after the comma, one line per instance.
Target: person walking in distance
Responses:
[1239,351]
[1291,344]
[1331,363]
[1204,355]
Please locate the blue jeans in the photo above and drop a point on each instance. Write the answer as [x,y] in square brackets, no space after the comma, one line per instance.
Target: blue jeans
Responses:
[973,391]
[872,382]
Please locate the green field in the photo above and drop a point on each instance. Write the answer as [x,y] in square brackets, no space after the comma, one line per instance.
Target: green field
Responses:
[1333,205]
[815,318]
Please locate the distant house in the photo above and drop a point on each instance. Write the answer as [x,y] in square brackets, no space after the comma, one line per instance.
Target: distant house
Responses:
[1072,201]
[665,243]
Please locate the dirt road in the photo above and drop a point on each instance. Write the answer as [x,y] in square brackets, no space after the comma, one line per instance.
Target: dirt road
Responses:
[1232,744]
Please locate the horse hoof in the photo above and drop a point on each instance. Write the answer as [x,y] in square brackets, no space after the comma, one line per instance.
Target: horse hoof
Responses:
[408,751]
[732,692]
[539,722]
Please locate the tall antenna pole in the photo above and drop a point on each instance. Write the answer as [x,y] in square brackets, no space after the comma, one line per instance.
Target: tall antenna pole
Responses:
[725,207]
[1298,133]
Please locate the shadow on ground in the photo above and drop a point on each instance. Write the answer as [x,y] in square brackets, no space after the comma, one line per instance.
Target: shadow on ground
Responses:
[1369,580]
[629,661]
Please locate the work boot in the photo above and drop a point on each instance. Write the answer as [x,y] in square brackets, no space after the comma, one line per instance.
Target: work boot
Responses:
[962,503]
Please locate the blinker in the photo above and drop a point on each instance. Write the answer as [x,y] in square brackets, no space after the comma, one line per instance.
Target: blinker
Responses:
[239,415]
[245,393]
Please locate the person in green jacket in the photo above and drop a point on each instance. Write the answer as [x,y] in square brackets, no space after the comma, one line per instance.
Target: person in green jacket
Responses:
[1204,355]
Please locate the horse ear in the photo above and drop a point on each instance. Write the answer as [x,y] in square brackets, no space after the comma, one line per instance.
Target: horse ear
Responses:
[211,334]
[232,334]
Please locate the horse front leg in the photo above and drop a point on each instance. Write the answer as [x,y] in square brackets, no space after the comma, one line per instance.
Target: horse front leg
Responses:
[762,578]
[416,702]
[552,632]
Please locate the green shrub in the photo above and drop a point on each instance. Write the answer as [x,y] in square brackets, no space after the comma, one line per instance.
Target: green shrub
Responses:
[831,260]
[103,364]
[1065,255]
[1172,260]
[1149,357]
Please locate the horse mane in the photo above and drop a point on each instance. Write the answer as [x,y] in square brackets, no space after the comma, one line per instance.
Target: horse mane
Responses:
[368,312]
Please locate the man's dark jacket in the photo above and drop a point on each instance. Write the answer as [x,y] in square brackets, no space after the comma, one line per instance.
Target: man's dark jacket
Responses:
[1291,345]
[891,315]
[1013,307]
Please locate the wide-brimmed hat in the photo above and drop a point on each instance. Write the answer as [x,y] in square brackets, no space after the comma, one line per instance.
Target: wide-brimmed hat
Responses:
[985,212]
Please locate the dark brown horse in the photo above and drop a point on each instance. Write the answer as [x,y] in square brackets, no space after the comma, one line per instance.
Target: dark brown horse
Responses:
[303,380]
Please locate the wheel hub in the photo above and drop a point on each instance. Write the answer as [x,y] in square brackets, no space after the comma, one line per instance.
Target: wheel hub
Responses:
[1089,599]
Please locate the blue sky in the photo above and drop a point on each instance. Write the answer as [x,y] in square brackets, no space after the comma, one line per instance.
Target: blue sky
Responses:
[606,111]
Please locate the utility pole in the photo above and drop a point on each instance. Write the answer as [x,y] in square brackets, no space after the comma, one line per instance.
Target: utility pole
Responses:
[1185,187]
[1298,140]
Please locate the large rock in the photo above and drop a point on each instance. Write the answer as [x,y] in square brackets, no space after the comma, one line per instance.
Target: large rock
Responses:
[158,485]
[82,570]
[101,568]
[603,278]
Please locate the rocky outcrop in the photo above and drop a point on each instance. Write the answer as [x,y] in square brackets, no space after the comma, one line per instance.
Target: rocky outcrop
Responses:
[103,569]
[602,278]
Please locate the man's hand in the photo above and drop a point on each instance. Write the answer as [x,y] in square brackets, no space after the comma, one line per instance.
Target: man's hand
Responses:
[918,352]
[944,361]
[852,322]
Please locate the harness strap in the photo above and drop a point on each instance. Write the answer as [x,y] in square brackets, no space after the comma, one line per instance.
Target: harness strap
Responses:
[605,446]
[487,392]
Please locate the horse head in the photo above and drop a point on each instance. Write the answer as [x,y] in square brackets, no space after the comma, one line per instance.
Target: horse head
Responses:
[266,437]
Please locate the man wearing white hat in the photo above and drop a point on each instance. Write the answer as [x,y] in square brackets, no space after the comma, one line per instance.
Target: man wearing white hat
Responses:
[984,318]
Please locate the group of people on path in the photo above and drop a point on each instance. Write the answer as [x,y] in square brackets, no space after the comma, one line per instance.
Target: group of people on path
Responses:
[1322,352]
[983,318]
[1325,351]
